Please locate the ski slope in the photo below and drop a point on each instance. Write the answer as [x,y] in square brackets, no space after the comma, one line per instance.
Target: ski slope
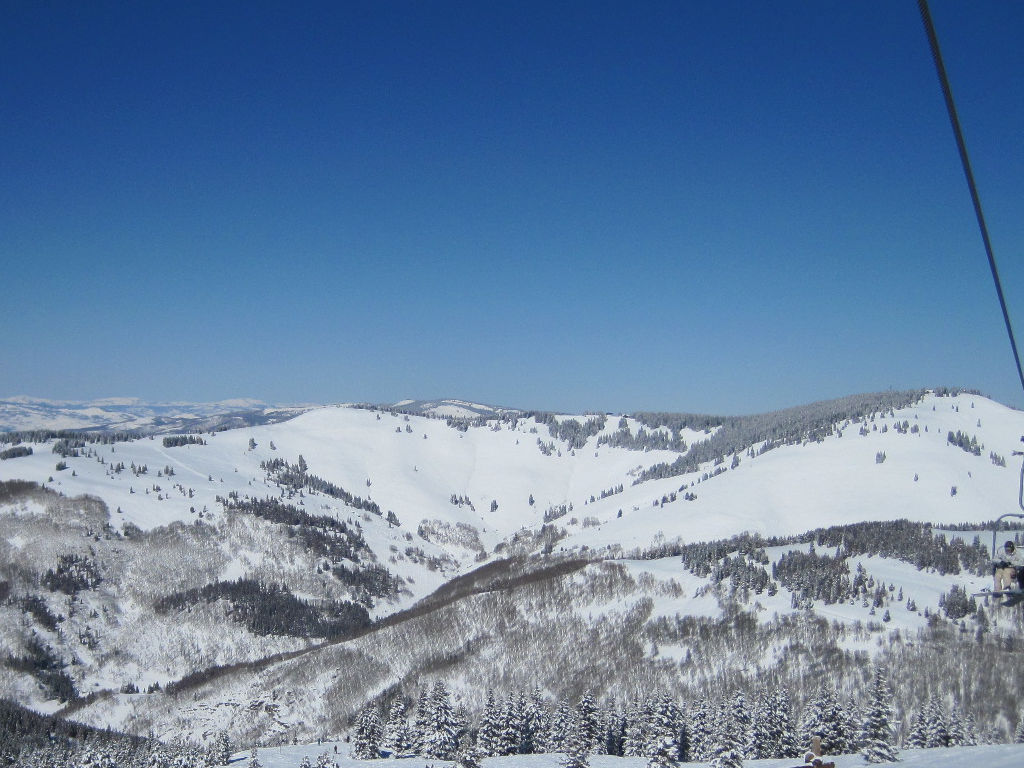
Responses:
[989,756]
[413,465]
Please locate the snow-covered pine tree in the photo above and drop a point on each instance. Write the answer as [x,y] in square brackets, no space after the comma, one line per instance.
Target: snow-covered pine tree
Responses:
[726,745]
[639,719]
[663,739]
[824,718]
[487,737]
[970,731]
[524,725]
[957,733]
[588,720]
[469,757]
[557,732]
[396,737]
[1018,734]
[223,748]
[254,759]
[936,730]
[763,739]
[879,732]
[577,745]
[536,712]
[90,758]
[512,726]
[461,715]
[441,741]
[160,756]
[853,726]
[664,754]
[683,736]
[606,728]
[918,736]
[701,728]
[323,760]
[787,744]
[366,741]
[306,762]
[742,723]
[614,729]
[421,722]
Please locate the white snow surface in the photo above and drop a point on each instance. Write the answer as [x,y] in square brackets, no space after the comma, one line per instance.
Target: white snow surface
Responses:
[988,756]
[415,464]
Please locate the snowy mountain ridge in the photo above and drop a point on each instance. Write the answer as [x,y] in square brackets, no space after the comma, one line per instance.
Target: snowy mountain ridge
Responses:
[23,413]
[140,559]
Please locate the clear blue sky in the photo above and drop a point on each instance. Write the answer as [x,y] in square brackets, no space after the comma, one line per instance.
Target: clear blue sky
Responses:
[705,206]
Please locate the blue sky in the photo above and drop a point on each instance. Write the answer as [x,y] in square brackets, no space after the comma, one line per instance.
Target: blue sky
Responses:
[708,206]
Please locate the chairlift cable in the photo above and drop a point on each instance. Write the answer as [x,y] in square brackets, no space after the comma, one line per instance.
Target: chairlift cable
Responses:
[947,91]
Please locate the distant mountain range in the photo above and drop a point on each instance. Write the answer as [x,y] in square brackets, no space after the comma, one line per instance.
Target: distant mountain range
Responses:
[132,414]
[23,413]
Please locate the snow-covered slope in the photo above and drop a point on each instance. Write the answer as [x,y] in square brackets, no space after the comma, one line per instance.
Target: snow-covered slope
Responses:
[990,756]
[438,497]
[413,465]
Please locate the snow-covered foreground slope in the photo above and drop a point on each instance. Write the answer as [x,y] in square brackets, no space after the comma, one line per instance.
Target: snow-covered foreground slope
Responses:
[989,756]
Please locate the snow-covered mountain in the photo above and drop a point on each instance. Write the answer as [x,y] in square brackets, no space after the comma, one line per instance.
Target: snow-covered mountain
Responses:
[131,414]
[473,536]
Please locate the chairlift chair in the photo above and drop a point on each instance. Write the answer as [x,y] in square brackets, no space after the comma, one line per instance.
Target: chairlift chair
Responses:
[1014,596]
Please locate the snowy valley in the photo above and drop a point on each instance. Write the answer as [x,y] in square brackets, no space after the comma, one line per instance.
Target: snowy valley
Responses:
[272,582]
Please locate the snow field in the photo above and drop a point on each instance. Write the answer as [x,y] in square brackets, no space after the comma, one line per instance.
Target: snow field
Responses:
[989,756]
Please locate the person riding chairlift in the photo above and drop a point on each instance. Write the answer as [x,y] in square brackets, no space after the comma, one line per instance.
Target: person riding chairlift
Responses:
[1008,568]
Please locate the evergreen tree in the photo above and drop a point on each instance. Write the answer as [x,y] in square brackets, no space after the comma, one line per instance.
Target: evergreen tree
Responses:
[469,757]
[366,742]
[534,716]
[223,749]
[441,741]
[421,723]
[764,741]
[461,724]
[824,718]
[970,730]
[666,724]
[254,759]
[323,760]
[588,721]
[786,742]
[726,743]
[853,726]
[306,762]
[742,724]
[488,737]
[397,737]
[957,732]
[577,745]
[879,733]
[557,734]
[512,726]
[664,753]
[918,736]
[638,734]
[1018,734]
[684,738]
[615,730]
[701,730]
[936,730]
